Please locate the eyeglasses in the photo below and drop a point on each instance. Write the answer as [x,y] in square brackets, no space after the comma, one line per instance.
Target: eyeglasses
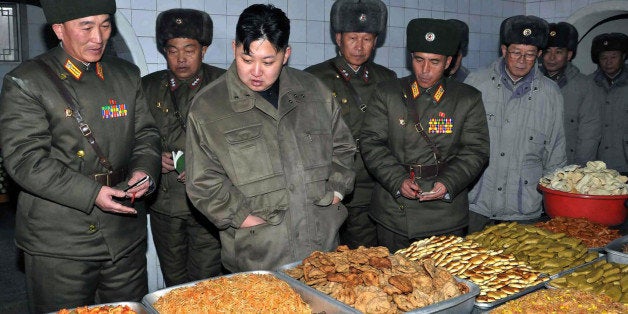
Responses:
[515,55]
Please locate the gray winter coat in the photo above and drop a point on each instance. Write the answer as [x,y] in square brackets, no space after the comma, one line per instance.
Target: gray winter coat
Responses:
[527,141]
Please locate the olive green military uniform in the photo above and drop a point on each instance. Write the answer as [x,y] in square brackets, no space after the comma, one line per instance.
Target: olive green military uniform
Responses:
[187,243]
[358,229]
[49,158]
[453,116]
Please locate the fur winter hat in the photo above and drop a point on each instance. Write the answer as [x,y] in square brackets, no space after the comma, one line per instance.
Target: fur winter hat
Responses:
[183,23]
[362,16]
[525,30]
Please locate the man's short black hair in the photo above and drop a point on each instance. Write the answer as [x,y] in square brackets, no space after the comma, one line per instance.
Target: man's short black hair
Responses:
[263,21]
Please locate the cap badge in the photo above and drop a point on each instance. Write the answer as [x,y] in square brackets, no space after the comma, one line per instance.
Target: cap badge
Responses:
[605,43]
[362,18]
[430,36]
[553,33]
[178,20]
[527,32]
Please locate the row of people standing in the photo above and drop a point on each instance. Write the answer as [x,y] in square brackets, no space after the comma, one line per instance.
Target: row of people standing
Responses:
[270,151]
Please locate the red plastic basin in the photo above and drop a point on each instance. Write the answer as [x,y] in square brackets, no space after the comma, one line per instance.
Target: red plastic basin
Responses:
[608,210]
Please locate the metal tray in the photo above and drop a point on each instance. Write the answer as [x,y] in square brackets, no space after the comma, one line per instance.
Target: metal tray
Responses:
[614,251]
[460,304]
[485,306]
[135,306]
[313,298]
[571,270]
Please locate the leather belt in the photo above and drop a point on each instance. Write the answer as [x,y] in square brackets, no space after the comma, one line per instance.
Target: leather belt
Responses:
[110,178]
[425,171]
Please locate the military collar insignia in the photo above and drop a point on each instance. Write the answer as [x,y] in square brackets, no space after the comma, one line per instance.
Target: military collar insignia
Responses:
[194,83]
[77,73]
[437,96]
[430,36]
[527,32]
[99,71]
[73,69]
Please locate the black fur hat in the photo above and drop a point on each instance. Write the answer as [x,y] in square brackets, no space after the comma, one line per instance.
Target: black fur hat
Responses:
[463,28]
[432,36]
[362,16]
[524,29]
[563,35]
[183,23]
[609,42]
[59,11]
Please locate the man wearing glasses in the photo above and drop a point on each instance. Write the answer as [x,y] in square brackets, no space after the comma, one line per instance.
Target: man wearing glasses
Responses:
[524,110]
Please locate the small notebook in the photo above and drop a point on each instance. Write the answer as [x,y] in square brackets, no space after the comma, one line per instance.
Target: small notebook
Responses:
[179,161]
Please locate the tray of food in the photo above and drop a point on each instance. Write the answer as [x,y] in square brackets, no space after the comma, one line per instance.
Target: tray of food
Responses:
[116,307]
[561,301]
[617,250]
[594,235]
[372,280]
[599,276]
[250,292]
[500,276]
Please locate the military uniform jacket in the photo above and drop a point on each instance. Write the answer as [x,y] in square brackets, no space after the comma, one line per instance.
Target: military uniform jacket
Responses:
[527,141]
[333,73]
[583,125]
[46,154]
[171,198]
[614,145]
[455,123]
[244,157]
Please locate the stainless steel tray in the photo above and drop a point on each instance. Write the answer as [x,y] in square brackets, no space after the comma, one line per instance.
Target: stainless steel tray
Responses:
[313,298]
[571,270]
[485,306]
[135,306]
[460,304]
[614,251]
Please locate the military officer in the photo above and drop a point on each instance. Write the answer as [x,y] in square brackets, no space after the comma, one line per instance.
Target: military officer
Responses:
[268,154]
[352,76]
[582,98]
[609,51]
[186,242]
[456,70]
[76,131]
[424,139]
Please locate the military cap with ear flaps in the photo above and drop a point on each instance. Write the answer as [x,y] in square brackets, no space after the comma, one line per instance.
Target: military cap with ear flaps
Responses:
[525,30]
[183,23]
[361,16]
[463,28]
[609,42]
[59,11]
[432,36]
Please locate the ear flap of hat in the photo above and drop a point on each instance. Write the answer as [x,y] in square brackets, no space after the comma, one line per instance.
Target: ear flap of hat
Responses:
[183,23]
[363,16]
[524,29]
[609,42]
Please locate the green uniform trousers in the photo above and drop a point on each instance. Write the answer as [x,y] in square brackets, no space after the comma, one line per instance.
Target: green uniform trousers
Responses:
[188,247]
[54,283]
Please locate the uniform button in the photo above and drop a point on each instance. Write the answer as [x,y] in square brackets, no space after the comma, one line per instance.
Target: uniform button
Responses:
[606,125]
[502,154]
[499,189]
[334,94]
[572,121]
[531,137]
[252,232]
[166,110]
[92,228]
[494,216]
[571,150]
[605,147]
[80,153]
[525,182]
[401,207]
[344,100]
[291,187]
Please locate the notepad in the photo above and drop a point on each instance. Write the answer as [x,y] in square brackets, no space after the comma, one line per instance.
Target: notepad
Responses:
[179,161]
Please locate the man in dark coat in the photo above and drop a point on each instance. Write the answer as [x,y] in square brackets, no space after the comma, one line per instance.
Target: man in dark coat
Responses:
[425,139]
[186,242]
[74,156]
[609,51]
[352,76]
[456,70]
[582,99]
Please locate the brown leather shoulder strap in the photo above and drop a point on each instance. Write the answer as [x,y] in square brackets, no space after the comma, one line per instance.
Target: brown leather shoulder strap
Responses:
[71,102]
